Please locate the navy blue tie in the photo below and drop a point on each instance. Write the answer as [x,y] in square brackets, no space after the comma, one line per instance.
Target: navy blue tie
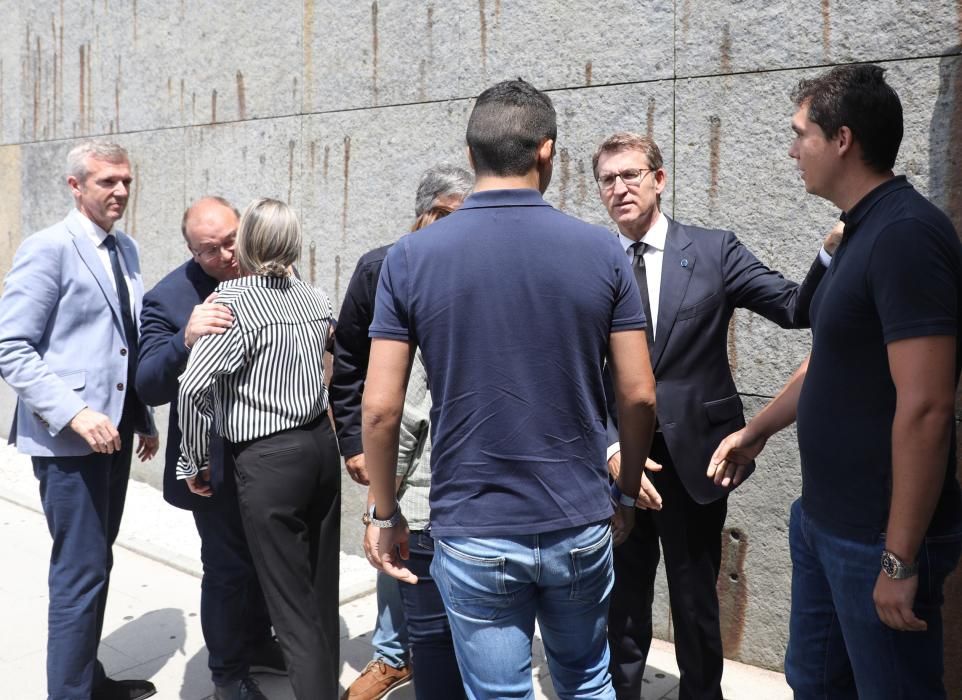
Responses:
[126,313]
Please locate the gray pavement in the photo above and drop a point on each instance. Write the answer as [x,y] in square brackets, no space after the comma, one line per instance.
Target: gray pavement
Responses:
[152,623]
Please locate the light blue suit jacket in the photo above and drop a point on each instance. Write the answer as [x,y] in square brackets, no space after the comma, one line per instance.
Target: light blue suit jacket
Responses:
[62,343]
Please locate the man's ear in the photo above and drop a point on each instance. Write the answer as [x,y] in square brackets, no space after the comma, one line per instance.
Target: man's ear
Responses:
[661,180]
[545,151]
[846,141]
[73,184]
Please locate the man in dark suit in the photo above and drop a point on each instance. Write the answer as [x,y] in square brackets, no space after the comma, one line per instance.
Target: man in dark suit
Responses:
[68,348]
[177,312]
[691,280]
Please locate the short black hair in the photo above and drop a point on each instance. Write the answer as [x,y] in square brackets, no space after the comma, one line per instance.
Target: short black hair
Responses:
[508,123]
[858,97]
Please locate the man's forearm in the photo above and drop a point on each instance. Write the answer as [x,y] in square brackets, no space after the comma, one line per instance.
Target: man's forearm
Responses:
[782,410]
[923,371]
[635,444]
[380,453]
[920,447]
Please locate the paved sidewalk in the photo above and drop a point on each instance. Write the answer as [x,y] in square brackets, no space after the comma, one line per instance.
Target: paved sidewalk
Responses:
[152,625]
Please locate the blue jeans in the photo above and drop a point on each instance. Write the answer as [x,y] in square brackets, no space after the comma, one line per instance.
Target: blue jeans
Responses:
[435,666]
[494,589]
[838,647]
[390,638]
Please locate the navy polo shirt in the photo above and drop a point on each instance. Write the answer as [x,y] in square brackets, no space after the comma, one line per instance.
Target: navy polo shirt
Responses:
[896,275]
[512,304]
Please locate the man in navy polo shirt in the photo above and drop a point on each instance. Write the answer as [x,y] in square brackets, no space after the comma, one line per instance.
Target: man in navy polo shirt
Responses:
[515,307]
[878,526]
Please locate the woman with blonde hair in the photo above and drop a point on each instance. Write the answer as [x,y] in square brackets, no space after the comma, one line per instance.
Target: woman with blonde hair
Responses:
[260,385]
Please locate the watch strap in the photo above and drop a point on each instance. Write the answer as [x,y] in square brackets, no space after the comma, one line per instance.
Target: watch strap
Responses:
[388,522]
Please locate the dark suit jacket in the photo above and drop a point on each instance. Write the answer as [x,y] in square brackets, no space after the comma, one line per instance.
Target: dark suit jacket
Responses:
[706,274]
[352,349]
[163,357]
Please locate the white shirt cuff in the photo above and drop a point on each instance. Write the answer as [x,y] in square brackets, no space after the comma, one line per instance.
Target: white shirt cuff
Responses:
[613,450]
[824,256]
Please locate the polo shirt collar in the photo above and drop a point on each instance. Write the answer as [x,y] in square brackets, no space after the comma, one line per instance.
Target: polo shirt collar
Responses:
[852,218]
[504,198]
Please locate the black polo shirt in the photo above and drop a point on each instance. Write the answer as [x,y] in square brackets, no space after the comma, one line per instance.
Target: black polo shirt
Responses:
[897,274]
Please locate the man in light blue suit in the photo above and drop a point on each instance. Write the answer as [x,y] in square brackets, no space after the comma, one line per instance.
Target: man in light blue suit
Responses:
[68,348]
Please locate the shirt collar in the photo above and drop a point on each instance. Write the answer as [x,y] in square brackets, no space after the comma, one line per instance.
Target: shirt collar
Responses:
[505,198]
[655,237]
[93,231]
[866,203]
[258,281]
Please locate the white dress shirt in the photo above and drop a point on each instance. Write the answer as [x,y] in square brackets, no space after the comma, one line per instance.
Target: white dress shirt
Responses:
[654,256]
[97,236]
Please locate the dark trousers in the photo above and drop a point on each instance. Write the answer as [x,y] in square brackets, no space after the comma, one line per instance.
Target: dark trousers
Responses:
[83,500]
[288,485]
[690,536]
[233,613]
[435,666]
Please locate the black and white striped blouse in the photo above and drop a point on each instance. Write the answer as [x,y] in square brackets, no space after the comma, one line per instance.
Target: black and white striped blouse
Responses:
[264,375]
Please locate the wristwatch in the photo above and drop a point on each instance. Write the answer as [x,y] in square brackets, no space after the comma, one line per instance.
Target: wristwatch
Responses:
[895,568]
[390,522]
[365,518]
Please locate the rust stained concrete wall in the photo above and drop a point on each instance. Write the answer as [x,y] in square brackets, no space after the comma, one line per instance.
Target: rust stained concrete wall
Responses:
[338,106]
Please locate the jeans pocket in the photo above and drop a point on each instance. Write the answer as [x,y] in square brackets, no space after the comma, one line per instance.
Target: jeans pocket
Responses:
[592,568]
[471,585]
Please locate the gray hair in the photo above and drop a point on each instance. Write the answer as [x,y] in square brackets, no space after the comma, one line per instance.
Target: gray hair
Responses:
[440,181]
[268,238]
[98,150]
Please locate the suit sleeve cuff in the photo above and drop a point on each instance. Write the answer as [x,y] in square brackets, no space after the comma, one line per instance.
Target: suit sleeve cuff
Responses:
[824,257]
[350,446]
[66,411]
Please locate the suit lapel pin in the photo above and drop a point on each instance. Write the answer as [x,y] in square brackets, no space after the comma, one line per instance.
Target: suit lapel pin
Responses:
[684,262]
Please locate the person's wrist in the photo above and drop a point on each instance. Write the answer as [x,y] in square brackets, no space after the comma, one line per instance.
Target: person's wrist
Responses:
[897,568]
[622,499]
[391,521]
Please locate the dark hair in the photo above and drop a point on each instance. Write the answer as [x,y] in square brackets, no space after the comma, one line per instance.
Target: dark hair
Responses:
[858,97]
[508,123]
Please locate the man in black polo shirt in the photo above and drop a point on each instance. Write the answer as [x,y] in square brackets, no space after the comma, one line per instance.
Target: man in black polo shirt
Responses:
[878,526]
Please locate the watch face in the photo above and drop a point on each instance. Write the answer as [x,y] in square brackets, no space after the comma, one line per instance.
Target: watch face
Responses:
[889,564]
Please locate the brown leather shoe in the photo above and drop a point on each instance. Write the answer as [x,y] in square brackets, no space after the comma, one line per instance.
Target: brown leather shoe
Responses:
[376,680]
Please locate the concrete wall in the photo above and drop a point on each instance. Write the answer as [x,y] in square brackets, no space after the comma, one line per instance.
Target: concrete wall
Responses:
[338,106]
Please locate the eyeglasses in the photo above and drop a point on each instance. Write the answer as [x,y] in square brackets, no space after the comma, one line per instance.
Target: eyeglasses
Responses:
[632,177]
[213,252]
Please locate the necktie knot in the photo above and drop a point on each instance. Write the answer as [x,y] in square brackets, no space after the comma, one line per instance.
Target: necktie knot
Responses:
[638,253]
[110,243]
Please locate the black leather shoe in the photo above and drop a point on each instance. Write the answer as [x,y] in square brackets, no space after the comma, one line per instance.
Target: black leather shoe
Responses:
[244,689]
[110,689]
[268,658]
